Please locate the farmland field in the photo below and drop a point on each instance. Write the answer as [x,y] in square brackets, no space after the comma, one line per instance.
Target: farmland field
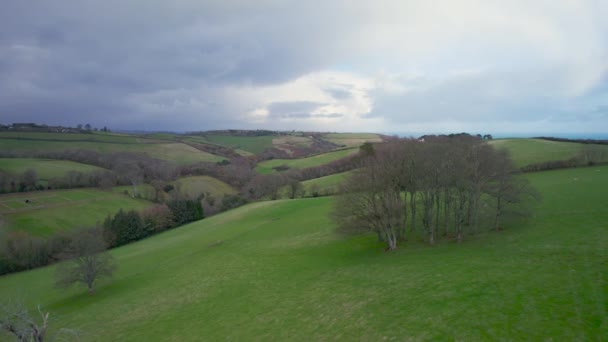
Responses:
[251,144]
[196,185]
[351,139]
[45,168]
[81,137]
[277,271]
[327,184]
[175,152]
[529,151]
[301,163]
[51,211]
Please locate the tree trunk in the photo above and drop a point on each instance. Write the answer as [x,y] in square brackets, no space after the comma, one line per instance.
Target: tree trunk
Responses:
[498,209]
[437,211]
[413,210]
[134,189]
[446,211]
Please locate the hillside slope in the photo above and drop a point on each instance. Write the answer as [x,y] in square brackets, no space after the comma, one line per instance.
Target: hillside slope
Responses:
[530,151]
[277,271]
[26,144]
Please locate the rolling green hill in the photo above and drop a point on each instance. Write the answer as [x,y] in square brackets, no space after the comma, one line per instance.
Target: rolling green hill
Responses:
[301,163]
[529,151]
[352,139]
[326,185]
[277,271]
[251,144]
[27,143]
[51,211]
[45,168]
[196,185]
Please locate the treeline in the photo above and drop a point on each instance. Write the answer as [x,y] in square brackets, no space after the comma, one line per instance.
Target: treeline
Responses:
[122,168]
[440,187]
[33,127]
[22,251]
[29,181]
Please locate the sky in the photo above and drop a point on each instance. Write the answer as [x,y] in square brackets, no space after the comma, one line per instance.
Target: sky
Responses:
[349,66]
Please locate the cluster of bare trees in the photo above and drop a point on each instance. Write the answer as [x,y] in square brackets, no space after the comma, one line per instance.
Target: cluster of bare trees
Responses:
[442,186]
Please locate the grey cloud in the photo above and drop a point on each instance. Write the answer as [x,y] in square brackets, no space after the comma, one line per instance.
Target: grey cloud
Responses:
[171,64]
[329,116]
[296,109]
[480,97]
[95,55]
[338,93]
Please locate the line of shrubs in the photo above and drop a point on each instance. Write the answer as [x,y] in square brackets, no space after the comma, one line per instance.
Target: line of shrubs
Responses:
[588,156]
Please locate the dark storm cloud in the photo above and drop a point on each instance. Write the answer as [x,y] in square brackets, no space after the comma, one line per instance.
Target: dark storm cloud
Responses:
[62,60]
[191,64]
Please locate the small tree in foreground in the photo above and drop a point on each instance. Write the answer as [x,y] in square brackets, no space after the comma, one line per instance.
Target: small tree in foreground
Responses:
[87,261]
[16,320]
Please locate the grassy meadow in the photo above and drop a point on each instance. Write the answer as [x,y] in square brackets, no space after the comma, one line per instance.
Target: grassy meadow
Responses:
[196,185]
[352,139]
[278,271]
[253,144]
[327,184]
[49,212]
[24,143]
[74,137]
[530,151]
[45,168]
[265,167]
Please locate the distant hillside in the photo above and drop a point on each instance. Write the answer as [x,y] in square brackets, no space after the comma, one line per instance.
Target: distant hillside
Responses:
[278,270]
[45,213]
[531,151]
[33,144]
[44,168]
[301,163]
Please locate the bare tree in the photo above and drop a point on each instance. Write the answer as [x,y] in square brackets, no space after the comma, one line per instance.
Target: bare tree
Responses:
[15,319]
[448,176]
[130,172]
[507,190]
[28,180]
[87,261]
[372,201]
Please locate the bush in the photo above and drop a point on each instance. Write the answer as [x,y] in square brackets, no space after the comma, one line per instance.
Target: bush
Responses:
[185,210]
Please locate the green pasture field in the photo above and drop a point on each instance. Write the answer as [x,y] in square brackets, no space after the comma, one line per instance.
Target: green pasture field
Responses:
[175,152]
[93,137]
[351,139]
[201,140]
[251,144]
[61,210]
[196,185]
[45,168]
[163,136]
[265,167]
[327,184]
[145,191]
[278,271]
[530,151]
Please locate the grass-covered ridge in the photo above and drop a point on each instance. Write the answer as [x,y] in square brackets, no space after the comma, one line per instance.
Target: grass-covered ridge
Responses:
[328,184]
[352,139]
[251,144]
[45,168]
[194,186]
[277,271]
[27,143]
[49,212]
[302,163]
[531,151]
